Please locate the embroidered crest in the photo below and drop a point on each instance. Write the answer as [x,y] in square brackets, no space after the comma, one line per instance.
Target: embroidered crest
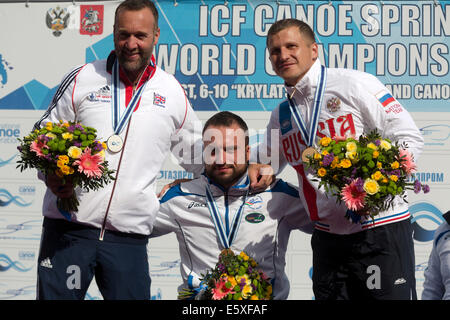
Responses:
[91,19]
[334,104]
[57,20]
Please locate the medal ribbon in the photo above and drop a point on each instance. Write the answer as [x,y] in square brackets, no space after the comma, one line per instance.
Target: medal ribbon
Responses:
[118,121]
[310,136]
[226,238]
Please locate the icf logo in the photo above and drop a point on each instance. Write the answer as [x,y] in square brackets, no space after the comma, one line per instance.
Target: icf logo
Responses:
[426,218]
[7,198]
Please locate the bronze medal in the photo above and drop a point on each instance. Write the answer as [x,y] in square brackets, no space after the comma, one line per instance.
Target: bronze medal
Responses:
[308,153]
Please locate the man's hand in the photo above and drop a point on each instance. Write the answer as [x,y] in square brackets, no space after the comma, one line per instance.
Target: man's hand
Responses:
[170,185]
[60,189]
[261,176]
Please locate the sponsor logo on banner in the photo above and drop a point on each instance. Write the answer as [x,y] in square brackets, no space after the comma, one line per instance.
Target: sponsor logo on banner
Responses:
[12,229]
[14,292]
[91,19]
[255,217]
[7,263]
[175,174]
[4,67]
[57,19]
[7,198]
[426,218]
[436,135]
[9,132]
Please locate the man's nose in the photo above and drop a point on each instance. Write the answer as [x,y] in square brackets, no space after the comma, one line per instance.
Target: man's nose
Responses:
[131,43]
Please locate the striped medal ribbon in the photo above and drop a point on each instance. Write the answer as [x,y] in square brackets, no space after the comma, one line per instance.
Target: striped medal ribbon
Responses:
[115,141]
[310,136]
[226,235]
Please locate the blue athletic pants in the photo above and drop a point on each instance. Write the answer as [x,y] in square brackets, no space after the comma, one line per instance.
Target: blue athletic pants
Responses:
[71,255]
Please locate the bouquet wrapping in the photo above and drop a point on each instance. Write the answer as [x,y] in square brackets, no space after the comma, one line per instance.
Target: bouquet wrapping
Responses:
[366,173]
[235,277]
[72,152]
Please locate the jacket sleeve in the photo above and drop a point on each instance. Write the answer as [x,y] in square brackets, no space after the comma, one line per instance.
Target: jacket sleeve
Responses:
[269,151]
[187,146]
[61,106]
[391,119]
[290,205]
[437,274]
[165,221]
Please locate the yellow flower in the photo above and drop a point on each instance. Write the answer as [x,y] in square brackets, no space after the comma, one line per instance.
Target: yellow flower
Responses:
[65,170]
[254,297]
[351,146]
[67,136]
[64,159]
[321,172]
[232,280]
[372,146]
[66,124]
[244,256]
[395,165]
[371,186]
[324,152]
[377,175]
[74,152]
[60,164]
[104,145]
[385,180]
[51,135]
[351,155]
[385,145]
[393,177]
[49,126]
[317,156]
[375,154]
[379,165]
[246,291]
[325,141]
[345,163]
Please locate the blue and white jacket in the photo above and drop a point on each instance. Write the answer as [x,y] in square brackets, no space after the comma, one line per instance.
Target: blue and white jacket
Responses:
[262,230]
[437,275]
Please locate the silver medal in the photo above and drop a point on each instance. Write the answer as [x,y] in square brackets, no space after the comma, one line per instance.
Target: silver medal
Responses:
[114,143]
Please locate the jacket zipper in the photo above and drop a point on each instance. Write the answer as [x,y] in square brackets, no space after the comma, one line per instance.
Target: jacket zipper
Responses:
[103,229]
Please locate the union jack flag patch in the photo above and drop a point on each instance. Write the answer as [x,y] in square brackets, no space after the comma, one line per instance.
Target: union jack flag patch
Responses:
[159,100]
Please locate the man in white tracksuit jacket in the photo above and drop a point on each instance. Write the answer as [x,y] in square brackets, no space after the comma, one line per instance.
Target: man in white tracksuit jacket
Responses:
[258,223]
[340,102]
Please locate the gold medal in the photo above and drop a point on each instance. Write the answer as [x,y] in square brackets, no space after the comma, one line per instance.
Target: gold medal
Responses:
[114,143]
[308,153]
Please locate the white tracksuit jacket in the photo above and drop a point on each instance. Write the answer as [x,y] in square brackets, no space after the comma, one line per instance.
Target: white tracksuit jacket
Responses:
[128,204]
[437,275]
[360,111]
[265,225]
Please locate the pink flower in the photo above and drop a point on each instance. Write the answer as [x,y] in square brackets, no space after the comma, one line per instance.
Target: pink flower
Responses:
[89,164]
[339,138]
[407,161]
[353,198]
[37,146]
[221,291]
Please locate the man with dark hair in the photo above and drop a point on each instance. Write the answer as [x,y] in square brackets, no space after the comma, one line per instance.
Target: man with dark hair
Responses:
[219,211]
[108,235]
[352,259]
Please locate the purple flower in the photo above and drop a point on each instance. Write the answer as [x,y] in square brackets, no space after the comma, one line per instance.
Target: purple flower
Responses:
[359,185]
[417,186]
[377,142]
[77,144]
[425,188]
[328,159]
[354,173]
[71,128]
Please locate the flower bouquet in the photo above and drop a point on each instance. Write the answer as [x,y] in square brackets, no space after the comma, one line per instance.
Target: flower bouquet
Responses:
[235,277]
[69,150]
[366,174]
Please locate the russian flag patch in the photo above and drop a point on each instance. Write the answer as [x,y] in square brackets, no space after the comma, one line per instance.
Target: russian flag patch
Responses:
[385,98]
